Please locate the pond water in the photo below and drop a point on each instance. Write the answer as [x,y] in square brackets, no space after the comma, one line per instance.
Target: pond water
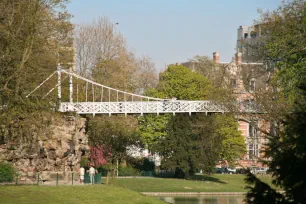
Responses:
[203,199]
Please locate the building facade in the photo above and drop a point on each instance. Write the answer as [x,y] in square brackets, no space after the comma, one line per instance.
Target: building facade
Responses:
[248,39]
[245,78]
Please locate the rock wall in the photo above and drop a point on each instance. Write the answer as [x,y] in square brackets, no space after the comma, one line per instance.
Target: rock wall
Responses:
[57,149]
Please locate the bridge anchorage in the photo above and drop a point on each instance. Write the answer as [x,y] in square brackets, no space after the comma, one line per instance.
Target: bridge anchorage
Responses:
[101,99]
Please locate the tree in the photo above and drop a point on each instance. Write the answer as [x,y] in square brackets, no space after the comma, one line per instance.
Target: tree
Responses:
[182,83]
[97,42]
[283,45]
[152,128]
[118,73]
[146,73]
[284,31]
[179,147]
[35,35]
[208,68]
[220,79]
[102,54]
[188,143]
[113,135]
[176,81]
[287,165]
[233,143]
[199,142]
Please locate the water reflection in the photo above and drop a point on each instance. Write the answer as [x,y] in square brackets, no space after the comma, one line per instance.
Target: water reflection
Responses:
[204,200]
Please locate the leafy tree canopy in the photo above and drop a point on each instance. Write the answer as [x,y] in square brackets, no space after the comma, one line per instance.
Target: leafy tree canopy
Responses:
[113,135]
[35,35]
[190,143]
[182,83]
[152,128]
[285,45]
[176,81]
[200,142]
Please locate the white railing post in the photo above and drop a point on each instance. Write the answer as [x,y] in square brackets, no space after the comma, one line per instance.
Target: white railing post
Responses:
[141,110]
[70,87]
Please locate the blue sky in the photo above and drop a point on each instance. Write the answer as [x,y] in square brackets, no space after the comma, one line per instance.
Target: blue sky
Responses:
[172,31]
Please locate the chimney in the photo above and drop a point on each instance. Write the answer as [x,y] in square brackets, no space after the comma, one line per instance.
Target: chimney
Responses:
[238,58]
[216,57]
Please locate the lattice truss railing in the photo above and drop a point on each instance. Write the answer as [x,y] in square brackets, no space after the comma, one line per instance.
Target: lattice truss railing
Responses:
[95,98]
[138,107]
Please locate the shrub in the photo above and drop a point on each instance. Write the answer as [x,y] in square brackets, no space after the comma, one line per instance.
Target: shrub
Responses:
[84,162]
[128,171]
[104,169]
[141,164]
[148,165]
[7,172]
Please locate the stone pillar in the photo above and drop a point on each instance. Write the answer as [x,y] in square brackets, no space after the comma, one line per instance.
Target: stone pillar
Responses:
[238,58]
[216,57]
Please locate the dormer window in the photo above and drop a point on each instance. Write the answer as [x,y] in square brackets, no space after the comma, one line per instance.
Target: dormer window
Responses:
[252,85]
[253,34]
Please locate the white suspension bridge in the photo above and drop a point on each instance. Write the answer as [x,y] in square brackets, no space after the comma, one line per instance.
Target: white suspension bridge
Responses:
[101,99]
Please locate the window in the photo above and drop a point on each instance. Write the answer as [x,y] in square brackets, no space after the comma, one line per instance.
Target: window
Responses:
[253,151]
[253,34]
[252,85]
[234,83]
[252,130]
[246,35]
[250,104]
[273,129]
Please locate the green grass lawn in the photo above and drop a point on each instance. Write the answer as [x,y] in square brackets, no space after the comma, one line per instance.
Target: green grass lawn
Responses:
[214,183]
[72,194]
[123,191]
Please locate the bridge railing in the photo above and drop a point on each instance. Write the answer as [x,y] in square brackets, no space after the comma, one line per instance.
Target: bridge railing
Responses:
[139,107]
[114,101]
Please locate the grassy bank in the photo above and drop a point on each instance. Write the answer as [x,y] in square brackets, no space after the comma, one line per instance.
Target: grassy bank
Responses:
[215,183]
[72,195]
[123,191]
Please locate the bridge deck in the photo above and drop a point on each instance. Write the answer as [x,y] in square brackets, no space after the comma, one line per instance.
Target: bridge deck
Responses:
[141,107]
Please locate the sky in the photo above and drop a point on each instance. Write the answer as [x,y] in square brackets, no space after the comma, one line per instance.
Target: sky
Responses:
[173,31]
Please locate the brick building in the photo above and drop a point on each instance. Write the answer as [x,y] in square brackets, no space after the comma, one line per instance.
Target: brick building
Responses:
[245,78]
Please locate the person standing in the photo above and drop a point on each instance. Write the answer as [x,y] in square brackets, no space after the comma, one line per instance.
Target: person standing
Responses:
[92,173]
[82,173]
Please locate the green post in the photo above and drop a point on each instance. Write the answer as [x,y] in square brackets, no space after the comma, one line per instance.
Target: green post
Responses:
[57,179]
[38,179]
[17,179]
[72,177]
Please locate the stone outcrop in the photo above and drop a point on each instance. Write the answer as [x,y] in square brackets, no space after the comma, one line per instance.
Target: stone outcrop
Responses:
[57,149]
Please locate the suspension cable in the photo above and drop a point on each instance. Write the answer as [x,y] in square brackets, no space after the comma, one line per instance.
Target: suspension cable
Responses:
[100,85]
[47,94]
[86,89]
[77,89]
[93,92]
[41,84]
[102,94]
